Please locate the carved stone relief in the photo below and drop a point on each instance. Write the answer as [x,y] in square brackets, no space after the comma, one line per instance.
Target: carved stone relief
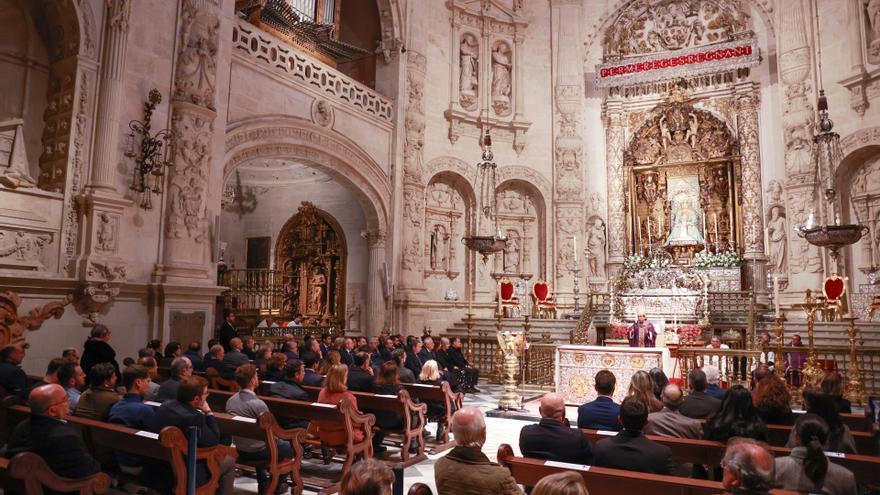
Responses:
[322,113]
[106,235]
[647,26]
[13,325]
[469,71]
[23,249]
[80,138]
[872,12]
[596,248]
[413,170]
[187,190]
[445,217]
[804,257]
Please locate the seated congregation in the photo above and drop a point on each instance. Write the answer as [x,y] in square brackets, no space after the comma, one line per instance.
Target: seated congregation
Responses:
[280,415]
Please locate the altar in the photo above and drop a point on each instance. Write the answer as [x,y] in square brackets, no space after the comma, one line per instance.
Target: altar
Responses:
[577,365]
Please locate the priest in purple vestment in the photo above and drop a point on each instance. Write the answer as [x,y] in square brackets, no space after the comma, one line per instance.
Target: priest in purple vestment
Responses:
[794,362]
[642,333]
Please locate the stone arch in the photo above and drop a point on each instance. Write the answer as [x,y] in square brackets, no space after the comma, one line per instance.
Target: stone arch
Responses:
[452,164]
[855,149]
[275,136]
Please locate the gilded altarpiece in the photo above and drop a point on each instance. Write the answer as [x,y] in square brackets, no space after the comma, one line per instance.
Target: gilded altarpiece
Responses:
[311,255]
[683,174]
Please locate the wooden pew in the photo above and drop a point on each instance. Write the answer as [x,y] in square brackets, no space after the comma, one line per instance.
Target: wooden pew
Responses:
[865,468]
[856,422]
[452,401]
[528,472]
[865,445]
[344,413]
[265,428]
[217,382]
[27,473]
[413,418]
[170,445]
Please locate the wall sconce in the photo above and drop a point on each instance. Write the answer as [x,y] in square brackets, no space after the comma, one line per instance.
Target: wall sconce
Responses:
[156,152]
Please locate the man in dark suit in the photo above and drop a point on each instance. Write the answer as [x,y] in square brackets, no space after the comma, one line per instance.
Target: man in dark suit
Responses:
[215,358]
[413,361]
[460,363]
[191,408]
[311,377]
[97,349]
[386,349]
[180,368]
[227,331]
[193,352]
[48,435]
[360,376]
[553,438]
[376,358]
[405,374]
[345,347]
[602,413]
[12,377]
[326,344]
[698,404]
[669,422]
[291,386]
[629,449]
[234,357]
[427,353]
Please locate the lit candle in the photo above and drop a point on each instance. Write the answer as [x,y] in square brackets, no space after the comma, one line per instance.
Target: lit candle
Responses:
[650,240]
[470,297]
[776,293]
[705,233]
[499,298]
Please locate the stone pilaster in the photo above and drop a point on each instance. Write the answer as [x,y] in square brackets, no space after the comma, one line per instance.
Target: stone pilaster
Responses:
[413,174]
[614,148]
[568,182]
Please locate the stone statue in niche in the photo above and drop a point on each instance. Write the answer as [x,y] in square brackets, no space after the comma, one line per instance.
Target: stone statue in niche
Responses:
[596,248]
[873,11]
[777,237]
[316,291]
[511,258]
[106,235]
[439,248]
[501,65]
[468,80]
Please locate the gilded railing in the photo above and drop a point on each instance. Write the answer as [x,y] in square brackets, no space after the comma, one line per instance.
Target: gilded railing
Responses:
[837,358]
[539,361]
[253,290]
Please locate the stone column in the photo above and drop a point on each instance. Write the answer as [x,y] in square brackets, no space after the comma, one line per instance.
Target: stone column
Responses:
[375,302]
[752,199]
[413,173]
[854,36]
[614,144]
[193,111]
[568,181]
[111,93]
[518,92]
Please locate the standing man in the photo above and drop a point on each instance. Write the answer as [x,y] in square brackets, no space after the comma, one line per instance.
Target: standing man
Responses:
[228,331]
[97,350]
[642,333]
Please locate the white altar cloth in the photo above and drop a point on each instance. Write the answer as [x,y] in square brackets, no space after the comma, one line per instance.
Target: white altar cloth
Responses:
[576,367]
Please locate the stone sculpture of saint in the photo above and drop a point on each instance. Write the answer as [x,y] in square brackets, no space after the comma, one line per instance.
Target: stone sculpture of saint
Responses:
[873,11]
[776,234]
[501,72]
[467,85]
[511,256]
[596,249]
[316,292]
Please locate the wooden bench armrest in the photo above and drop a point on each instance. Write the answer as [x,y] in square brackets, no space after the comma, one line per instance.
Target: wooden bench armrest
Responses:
[367,420]
[421,409]
[36,474]
[452,398]
[173,439]
[505,453]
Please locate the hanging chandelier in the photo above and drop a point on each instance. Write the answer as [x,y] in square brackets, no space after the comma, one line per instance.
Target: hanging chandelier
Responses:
[488,238]
[831,234]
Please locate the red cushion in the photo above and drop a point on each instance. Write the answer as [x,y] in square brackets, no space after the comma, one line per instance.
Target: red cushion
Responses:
[541,291]
[506,290]
[834,288]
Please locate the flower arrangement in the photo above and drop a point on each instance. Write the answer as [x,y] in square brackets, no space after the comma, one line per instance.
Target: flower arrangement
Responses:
[619,331]
[634,262]
[689,333]
[727,259]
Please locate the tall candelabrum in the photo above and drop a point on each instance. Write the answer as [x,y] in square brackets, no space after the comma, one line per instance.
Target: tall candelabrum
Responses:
[779,358]
[811,373]
[855,390]
[470,338]
[576,272]
[509,398]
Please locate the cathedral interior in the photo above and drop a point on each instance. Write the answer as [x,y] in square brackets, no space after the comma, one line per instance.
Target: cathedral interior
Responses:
[445,168]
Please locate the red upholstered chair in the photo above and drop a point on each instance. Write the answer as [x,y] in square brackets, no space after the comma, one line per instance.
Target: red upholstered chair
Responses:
[545,306]
[834,287]
[507,295]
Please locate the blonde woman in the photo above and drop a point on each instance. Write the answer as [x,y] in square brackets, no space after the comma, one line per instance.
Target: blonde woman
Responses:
[335,391]
[333,358]
[566,483]
[642,386]
[430,375]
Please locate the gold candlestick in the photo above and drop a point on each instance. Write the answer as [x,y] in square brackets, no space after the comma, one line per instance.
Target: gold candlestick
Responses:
[779,358]
[470,340]
[811,373]
[855,391]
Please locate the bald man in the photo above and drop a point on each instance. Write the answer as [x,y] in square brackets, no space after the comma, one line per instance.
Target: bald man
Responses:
[668,422]
[46,434]
[748,467]
[553,438]
[466,470]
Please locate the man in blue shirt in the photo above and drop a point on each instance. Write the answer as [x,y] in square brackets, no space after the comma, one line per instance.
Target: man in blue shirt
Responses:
[132,412]
[601,414]
[192,352]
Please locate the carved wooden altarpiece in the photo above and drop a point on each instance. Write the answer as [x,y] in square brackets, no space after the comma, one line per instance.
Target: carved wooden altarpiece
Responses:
[683,176]
[311,254]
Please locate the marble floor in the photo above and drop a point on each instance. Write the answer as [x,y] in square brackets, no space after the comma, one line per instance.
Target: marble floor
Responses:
[499,430]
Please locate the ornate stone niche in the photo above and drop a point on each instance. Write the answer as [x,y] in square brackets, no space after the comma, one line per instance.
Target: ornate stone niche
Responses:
[865,194]
[520,219]
[446,222]
[486,71]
